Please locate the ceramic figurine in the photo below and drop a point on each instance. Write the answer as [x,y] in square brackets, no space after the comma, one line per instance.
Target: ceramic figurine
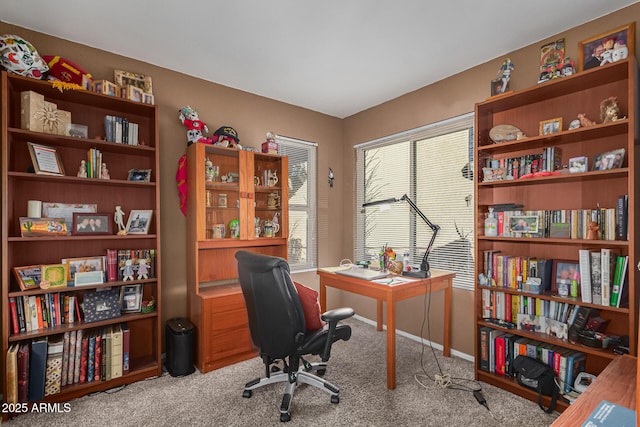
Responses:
[82,171]
[118,218]
[104,172]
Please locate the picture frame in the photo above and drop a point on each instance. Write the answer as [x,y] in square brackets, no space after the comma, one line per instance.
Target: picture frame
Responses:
[42,227]
[140,175]
[46,160]
[523,224]
[547,127]
[66,210]
[123,78]
[54,276]
[563,271]
[101,305]
[28,277]
[147,98]
[609,160]
[131,299]
[132,93]
[139,221]
[578,164]
[494,174]
[87,224]
[83,265]
[605,48]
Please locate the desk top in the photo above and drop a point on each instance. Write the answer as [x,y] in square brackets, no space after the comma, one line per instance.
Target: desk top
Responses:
[616,383]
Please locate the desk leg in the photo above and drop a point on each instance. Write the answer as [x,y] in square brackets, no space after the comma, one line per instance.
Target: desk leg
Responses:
[447,320]
[379,316]
[391,345]
[323,296]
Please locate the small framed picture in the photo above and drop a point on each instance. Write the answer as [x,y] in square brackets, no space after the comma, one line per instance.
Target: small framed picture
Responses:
[131,93]
[523,224]
[141,81]
[141,175]
[83,265]
[91,223]
[42,227]
[131,298]
[609,160]
[563,273]
[54,276]
[606,48]
[139,221]
[77,131]
[578,164]
[66,210]
[147,98]
[28,277]
[550,126]
[46,160]
[494,174]
[101,305]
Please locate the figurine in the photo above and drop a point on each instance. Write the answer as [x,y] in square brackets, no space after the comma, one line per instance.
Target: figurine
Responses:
[195,127]
[592,234]
[609,110]
[82,172]
[143,269]
[505,69]
[584,121]
[127,270]
[208,170]
[104,172]
[118,219]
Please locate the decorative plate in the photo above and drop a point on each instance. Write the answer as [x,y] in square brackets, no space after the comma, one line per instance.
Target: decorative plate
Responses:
[502,133]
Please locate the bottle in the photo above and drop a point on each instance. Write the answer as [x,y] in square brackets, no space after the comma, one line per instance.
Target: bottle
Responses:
[406,262]
[381,259]
[491,224]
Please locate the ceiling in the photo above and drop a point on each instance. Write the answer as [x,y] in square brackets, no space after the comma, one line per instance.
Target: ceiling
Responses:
[337,57]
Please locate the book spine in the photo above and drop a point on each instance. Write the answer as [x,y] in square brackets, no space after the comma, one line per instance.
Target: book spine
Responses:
[14,316]
[65,359]
[621,217]
[585,275]
[112,265]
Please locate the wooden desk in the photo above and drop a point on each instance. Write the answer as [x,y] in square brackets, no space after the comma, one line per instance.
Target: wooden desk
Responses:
[439,280]
[616,383]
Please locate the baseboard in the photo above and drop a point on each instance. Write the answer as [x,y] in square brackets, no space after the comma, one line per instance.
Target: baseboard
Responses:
[435,345]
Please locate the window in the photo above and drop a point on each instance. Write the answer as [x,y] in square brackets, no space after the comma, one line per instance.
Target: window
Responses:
[432,166]
[302,202]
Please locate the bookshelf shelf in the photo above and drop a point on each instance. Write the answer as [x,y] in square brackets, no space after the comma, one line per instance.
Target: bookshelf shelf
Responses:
[20,185]
[568,193]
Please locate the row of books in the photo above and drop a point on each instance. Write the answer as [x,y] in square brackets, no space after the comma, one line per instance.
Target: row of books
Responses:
[498,349]
[516,167]
[603,277]
[37,312]
[94,163]
[512,271]
[565,223]
[120,261]
[120,130]
[40,367]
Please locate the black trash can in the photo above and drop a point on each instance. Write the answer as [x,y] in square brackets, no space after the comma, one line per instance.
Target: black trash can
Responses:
[179,342]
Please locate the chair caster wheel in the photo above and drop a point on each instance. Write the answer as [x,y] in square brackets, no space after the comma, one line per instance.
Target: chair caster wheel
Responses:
[321,372]
[275,368]
[247,393]
[335,399]
[285,418]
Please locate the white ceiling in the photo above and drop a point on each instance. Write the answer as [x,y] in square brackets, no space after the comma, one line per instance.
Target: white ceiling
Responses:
[337,57]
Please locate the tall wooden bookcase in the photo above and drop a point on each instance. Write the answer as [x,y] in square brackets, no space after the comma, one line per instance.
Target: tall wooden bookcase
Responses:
[215,304]
[20,184]
[562,98]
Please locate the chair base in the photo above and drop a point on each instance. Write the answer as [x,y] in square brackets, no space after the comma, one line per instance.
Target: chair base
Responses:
[302,376]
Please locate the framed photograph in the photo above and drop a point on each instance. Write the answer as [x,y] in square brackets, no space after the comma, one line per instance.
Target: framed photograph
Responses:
[42,227]
[131,298]
[66,210]
[83,265]
[147,98]
[139,221]
[578,164]
[142,175]
[609,160]
[141,81]
[494,174]
[92,223]
[132,93]
[101,305]
[46,160]
[523,224]
[54,276]
[28,277]
[606,48]
[563,273]
[550,126]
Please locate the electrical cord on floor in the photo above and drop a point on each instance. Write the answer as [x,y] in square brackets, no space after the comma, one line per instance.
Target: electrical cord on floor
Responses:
[444,380]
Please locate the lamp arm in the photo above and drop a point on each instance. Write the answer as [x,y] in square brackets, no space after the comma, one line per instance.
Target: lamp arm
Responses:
[424,266]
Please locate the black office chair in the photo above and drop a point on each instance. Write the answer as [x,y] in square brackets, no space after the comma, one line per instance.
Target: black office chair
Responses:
[277,325]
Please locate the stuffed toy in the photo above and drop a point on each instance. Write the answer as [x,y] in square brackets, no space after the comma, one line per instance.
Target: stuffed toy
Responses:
[65,71]
[226,136]
[18,56]
[195,127]
[609,110]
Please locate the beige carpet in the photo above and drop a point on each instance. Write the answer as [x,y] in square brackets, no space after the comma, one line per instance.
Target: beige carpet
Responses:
[356,366]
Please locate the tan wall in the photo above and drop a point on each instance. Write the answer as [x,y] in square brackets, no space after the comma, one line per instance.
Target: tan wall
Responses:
[252,116]
[447,98]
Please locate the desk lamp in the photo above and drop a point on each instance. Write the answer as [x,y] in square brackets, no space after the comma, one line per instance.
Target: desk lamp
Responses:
[424,266]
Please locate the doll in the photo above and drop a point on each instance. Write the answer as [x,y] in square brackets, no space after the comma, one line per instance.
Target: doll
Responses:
[195,127]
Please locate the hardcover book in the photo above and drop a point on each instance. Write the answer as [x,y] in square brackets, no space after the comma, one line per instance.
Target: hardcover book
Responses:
[116,352]
[596,278]
[126,337]
[610,414]
[53,376]
[37,369]
[23,372]
[12,374]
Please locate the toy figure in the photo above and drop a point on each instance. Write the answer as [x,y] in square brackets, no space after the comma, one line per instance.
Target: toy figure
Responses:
[584,121]
[506,68]
[104,172]
[127,270]
[592,234]
[118,219]
[82,171]
[195,127]
[226,136]
[143,269]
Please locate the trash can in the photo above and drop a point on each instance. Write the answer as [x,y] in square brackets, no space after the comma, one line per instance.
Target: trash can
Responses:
[179,343]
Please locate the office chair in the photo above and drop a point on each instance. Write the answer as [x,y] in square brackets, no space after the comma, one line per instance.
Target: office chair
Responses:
[277,325]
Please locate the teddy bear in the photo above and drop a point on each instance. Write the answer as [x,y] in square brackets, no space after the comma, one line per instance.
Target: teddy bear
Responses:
[195,127]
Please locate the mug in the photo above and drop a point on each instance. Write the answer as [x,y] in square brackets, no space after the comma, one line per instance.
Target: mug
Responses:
[222,200]
[268,229]
[272,200]
[219,231]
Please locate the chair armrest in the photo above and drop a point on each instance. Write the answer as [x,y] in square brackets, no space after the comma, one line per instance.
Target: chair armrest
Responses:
[337,314]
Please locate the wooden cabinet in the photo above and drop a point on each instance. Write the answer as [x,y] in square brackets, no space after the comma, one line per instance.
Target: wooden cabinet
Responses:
[20,185]
[216,306]
[562,98]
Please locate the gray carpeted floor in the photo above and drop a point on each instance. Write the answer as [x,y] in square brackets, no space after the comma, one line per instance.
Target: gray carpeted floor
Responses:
[356,366]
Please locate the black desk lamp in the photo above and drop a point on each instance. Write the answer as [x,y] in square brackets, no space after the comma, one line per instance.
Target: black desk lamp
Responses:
[424,266]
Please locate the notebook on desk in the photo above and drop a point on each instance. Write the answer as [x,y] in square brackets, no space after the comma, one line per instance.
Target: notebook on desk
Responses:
[362,273]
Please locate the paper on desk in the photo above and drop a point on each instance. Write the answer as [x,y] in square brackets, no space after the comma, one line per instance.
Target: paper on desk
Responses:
[392,280]
[334,269]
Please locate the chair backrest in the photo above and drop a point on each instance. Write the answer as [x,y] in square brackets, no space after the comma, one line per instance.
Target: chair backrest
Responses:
[276,318]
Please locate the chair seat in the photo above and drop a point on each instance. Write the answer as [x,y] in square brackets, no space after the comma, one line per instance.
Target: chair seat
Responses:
[315,342]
